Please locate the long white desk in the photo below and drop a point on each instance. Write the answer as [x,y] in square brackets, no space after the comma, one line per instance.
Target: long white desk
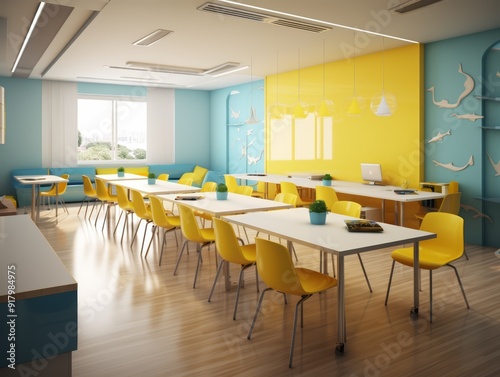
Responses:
[235,203]
[352,188]
[36,181]
[333,237]
[38,297]
[160,187]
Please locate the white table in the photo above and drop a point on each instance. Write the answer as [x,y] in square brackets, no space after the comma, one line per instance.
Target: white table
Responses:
[333,237]
[160,187]
[235,203]
[352,188]
[114,177]
[36,181]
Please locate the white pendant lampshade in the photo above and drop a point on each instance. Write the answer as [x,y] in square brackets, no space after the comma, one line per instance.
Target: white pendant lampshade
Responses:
[384,104]
[300,109]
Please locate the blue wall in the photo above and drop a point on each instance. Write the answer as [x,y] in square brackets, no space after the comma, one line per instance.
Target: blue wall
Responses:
[442,60]
[23,110]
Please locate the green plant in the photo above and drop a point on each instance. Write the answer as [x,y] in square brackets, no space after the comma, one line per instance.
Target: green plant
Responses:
[221,187]
[121,169]
[327,177]
[318,206]
[151,175]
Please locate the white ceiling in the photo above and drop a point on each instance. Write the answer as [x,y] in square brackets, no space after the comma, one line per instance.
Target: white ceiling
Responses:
[205,40]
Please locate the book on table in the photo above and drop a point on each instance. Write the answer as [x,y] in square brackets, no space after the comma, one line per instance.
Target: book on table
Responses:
[363,225]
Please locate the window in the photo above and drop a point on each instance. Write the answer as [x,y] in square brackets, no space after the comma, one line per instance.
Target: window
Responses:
[111,128]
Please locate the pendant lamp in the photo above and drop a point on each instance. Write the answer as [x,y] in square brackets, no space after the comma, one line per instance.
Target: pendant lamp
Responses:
[325,108]
[356,104]
[384,104]
[300,109]
[277,110]
[252,119]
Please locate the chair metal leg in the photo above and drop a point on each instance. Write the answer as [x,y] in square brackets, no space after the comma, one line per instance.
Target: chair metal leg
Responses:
[198,249]
[150,242]
[390,281]
[83,201]
[240,280]
[118,222]
[180,256]
[364,272]
[135,233]
[257,312]
[221,263]
[430,296]
[461,286]
[292,346]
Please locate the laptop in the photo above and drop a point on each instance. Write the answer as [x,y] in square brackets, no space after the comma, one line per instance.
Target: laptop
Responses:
[371,174]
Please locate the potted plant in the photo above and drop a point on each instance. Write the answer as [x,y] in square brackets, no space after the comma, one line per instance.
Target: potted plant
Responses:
[327,180]
[221,191]
[151,178]
[120,171]
[318,212]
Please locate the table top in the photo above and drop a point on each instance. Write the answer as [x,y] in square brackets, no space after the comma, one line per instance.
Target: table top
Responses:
[345,187]
[235,203]
[39,179]
[333,237]
[160,187]
[38,269]
[114,177]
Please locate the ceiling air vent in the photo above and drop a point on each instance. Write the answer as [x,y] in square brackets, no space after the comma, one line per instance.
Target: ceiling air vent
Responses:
[408,6]
[262,17]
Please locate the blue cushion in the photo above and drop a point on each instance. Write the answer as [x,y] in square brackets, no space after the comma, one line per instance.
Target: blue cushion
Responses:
[75,173]
[175,171]
[213,176]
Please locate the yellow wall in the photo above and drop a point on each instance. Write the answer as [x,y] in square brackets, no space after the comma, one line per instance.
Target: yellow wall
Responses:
[394,141]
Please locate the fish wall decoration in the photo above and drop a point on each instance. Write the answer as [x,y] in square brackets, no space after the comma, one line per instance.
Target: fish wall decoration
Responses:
[495,166]
[468,88]
[476,212]
[452,167]
[470,117]
[439,136]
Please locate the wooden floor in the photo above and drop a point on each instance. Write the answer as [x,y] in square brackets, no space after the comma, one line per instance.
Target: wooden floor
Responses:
[137,319]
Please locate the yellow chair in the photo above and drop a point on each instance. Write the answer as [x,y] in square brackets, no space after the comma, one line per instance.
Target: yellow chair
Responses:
[453,187]
[230,251]
[56,191]
[353,209]
[105,198]
[188,181]
[328,194]
[259,190]
[143,212]
[276,269]
[290,187]
[231,182]
[193,233]
[447,247]
[126,206]
[163,176]
[161,220]
[90,193]
[449,204]
[244,190]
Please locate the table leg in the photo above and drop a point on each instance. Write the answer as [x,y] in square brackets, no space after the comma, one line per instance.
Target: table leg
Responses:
[227,276]
[340,306]
[33,202]
[38,204]
[57,196]
[402,214]
[383,210]
[414,309]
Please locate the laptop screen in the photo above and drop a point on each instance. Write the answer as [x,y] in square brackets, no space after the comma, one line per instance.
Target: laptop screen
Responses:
[371,173]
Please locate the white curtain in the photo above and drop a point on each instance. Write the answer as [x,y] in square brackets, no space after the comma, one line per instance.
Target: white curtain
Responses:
[59,124]
[161,126]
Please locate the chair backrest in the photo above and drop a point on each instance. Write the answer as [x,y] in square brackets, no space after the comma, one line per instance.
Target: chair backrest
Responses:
[328,194]
[347,208]
[139,205]
[61,187]
[123,200]
[189,225]
[227,243]
[188,181]
[286,197]
[209,187]
[450,233]
[451,203]
[231,182]
[291,188]
[88,187]
[244,190]
[101,190]
[158,214]
[163,177]
[276,268]
[452,187]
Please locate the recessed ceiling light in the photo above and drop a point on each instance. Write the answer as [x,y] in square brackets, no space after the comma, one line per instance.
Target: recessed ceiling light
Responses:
[153,37]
